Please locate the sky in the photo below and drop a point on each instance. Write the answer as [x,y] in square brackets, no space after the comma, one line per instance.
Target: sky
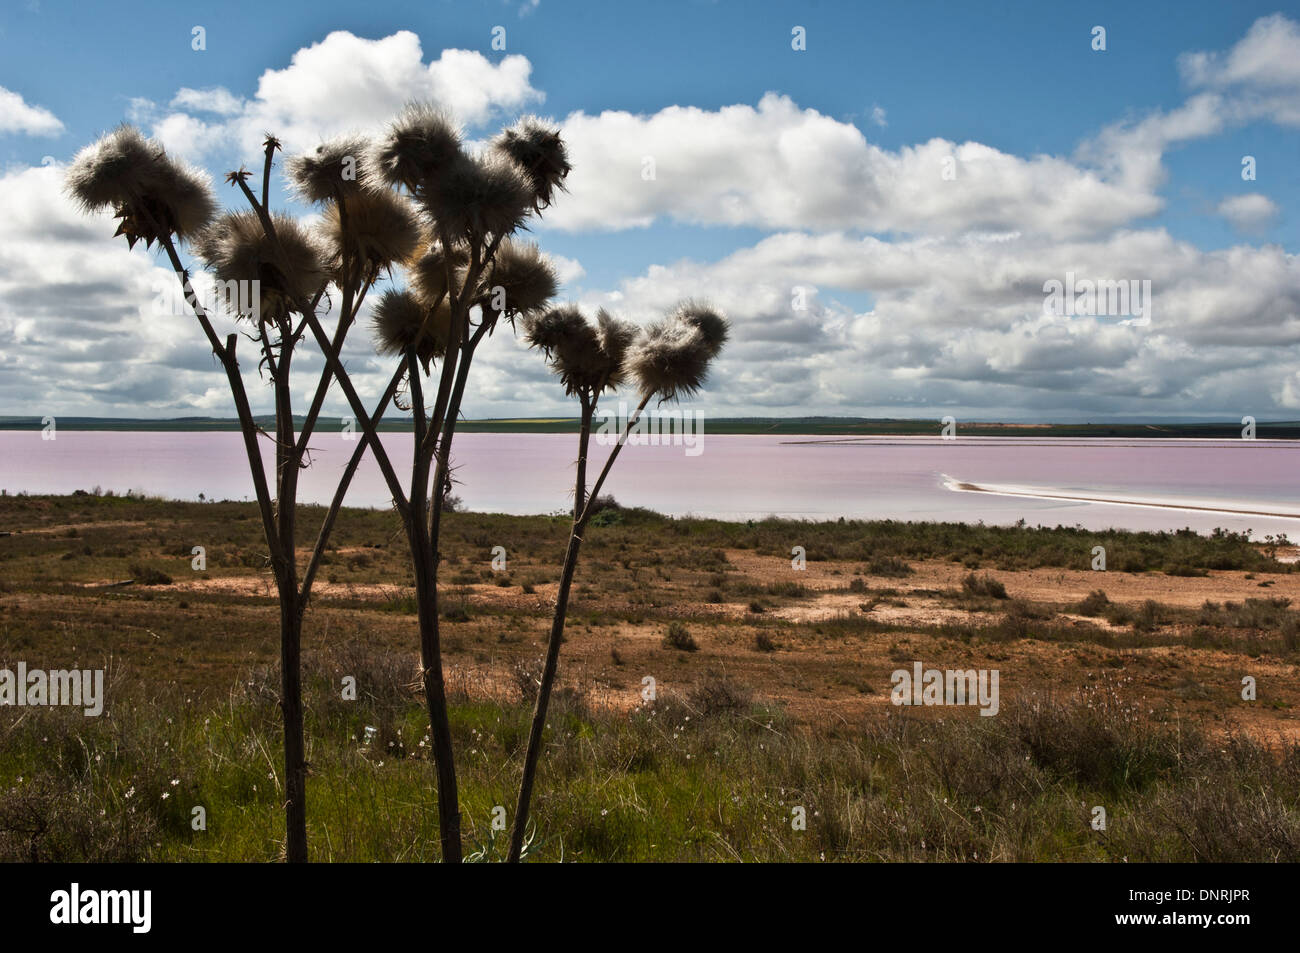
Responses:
[879,196]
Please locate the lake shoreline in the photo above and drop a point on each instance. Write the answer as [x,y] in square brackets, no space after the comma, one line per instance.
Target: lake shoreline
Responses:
[830,427]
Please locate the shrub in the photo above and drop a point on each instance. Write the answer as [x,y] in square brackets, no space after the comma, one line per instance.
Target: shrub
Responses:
[676,636]
[983,586]
[1095,602]
[148,576]
[888,566]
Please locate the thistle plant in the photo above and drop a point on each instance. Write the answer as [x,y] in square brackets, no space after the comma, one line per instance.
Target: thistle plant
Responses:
[669,359]
[159,200]
[414,202]
[465,276]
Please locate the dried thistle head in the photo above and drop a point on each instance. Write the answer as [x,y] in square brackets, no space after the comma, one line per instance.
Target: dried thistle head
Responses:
[519,282]
[401,321]
[419,145]
[333,170]
[537,148]
[671,358]
[713,327]
[236,249]
[152,194]
[428,272]
[478,197]
[587,358]
[548,332]
[376,230]
[614,336]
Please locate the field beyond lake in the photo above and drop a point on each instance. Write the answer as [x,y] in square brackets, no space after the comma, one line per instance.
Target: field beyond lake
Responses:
[772,689]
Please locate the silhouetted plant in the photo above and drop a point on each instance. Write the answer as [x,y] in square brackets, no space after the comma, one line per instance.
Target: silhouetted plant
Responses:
[669,359]
[465,275]
[272,274]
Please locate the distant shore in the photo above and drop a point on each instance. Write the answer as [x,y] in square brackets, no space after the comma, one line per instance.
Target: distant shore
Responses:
[791,426]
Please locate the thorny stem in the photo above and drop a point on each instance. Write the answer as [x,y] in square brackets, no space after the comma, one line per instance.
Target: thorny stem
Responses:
[551,665]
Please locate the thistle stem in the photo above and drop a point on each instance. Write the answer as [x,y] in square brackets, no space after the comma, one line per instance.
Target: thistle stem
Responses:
[551,664]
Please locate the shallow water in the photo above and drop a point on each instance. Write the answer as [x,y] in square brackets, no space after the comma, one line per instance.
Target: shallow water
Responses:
[1095,483]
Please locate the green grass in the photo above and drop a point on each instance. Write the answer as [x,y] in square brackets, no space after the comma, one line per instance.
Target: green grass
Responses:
[710,776]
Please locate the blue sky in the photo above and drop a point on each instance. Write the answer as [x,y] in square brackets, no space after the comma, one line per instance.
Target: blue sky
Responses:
[1019,81]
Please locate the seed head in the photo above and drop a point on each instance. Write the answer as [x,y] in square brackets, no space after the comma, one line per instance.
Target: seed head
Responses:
[538,150]
[236,249]
[333,170]
[152,194]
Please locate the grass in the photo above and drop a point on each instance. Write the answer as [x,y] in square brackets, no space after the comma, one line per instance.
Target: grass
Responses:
[1096,711]
[706,776]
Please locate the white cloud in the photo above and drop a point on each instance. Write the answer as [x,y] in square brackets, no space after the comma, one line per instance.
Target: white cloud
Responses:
[778,166]
[567,270]
[16,116]
[945,312]
[81,326]
[342,84]
[960,322]
[878,116]
[1265,58]
[1248,213]
[1257,79]
[950,322]
[215,100]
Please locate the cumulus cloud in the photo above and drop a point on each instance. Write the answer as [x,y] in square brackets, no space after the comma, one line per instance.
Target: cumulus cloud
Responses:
[567,270]
[16,116]
[779,166]
[76,323]
[883,288]
[1248,213]
[88,327]
[344,83]
[961,323]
